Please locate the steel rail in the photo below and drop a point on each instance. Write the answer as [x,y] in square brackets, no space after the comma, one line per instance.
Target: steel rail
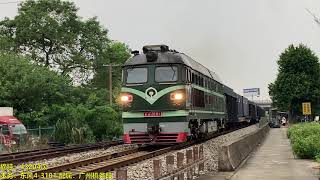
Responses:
[21,157]
[113,161]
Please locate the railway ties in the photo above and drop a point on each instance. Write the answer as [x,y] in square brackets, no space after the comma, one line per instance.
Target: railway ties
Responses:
[109,165]
[109,162]
[24,156]
[98,164]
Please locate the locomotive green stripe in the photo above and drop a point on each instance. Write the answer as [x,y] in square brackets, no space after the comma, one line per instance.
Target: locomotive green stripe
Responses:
[207,90]
[168,113]
[207,112]
[153,99]
[161,93]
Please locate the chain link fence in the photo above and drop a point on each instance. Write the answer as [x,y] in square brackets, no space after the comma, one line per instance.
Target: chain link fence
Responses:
[40,136]
[41,132]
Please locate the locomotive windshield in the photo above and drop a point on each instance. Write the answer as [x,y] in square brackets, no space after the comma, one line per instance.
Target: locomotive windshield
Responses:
[166,74]
[137,75]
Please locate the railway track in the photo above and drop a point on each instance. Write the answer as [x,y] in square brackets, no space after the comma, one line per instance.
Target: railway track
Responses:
[107,163]
[102,163]
[25,156]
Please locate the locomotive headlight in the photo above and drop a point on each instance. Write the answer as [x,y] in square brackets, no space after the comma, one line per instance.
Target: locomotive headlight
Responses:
[125,98]
[176,96]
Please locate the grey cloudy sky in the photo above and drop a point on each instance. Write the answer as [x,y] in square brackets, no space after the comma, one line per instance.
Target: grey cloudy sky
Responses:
[238,39]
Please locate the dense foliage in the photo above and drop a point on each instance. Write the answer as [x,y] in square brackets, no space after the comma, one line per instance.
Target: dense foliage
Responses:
[52,73]
[31,89]
[298,80]
[304,138]
[44,98]
[116,54]
[53,35]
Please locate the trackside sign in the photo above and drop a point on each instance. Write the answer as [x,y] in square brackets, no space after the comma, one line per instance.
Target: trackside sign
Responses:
[306,108]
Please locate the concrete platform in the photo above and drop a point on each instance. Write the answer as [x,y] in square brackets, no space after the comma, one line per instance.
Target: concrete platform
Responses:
[272,160]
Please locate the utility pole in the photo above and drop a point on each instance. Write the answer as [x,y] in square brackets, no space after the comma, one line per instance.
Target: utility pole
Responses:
[110,80]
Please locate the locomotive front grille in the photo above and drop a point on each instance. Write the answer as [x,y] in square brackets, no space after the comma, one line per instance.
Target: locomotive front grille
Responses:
[163,138]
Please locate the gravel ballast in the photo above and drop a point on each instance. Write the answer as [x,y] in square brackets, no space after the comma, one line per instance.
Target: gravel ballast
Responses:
[78,156]
[144,170]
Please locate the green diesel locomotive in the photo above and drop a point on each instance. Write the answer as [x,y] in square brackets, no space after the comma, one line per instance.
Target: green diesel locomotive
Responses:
[167,97]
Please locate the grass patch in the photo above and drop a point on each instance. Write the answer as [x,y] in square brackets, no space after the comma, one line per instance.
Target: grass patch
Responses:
[305,140]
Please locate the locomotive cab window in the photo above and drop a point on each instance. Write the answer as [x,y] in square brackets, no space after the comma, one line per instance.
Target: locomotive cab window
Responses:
[137,75]
[166,74]
[188,76]
[193,78]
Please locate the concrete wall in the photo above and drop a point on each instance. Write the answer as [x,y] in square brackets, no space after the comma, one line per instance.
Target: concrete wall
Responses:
[231,154]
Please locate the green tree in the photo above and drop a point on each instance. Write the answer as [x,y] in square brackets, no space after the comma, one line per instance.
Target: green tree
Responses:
[105,122]
[114,53]
[44,98]
[72,126]
[53,48]
[298,79]
[52,33]
[30,88]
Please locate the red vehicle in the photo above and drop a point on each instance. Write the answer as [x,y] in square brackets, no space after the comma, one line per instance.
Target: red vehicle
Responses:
[12,131]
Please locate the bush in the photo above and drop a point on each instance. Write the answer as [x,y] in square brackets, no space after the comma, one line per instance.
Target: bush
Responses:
[43,98]
[105,122]
[80,124]
[71,126]
[305,140]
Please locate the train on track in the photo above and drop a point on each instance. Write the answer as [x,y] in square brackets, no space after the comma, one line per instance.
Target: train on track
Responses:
[167,98]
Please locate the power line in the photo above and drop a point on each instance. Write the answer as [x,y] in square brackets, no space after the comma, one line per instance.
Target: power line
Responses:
[315,18]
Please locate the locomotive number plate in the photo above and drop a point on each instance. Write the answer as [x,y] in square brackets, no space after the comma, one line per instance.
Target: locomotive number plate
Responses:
[152,114]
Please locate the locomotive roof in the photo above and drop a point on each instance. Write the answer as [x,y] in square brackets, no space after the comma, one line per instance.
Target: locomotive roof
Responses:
[173,57]
[229,91]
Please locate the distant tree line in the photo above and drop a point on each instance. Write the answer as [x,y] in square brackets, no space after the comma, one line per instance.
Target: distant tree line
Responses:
[298,81]
[51,66]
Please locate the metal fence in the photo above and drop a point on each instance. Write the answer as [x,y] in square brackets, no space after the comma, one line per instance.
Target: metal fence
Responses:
[41,132]
[40,136]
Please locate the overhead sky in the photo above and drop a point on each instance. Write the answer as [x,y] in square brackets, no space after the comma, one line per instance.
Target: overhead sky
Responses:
[240,40]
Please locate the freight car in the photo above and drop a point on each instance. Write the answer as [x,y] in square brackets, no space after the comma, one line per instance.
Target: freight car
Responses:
[167,97]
